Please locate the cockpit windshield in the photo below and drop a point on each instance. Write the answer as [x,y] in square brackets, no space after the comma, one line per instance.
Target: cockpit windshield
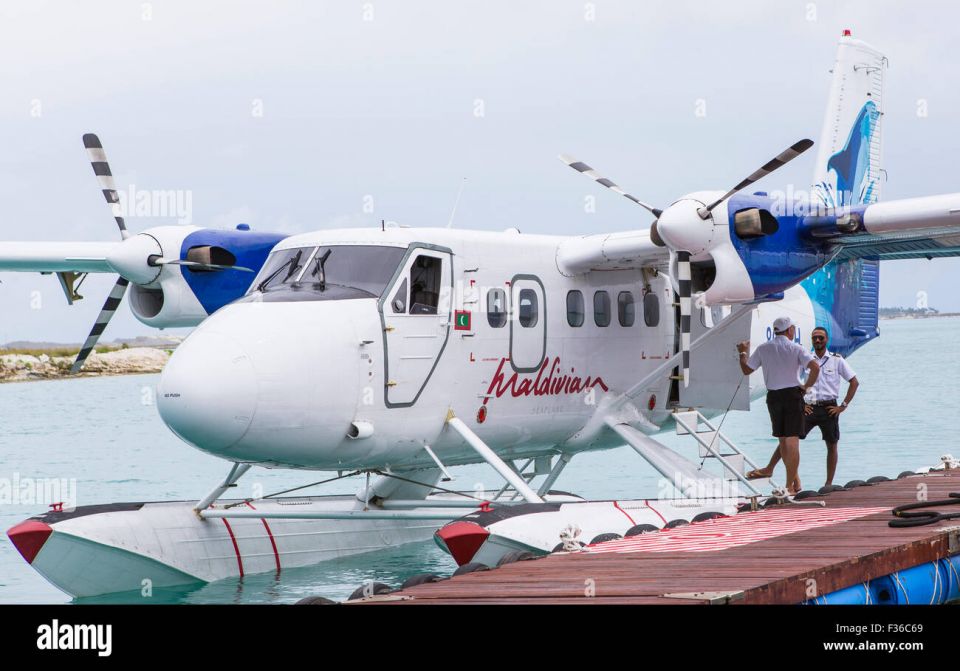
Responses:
[326,273]
[281,267]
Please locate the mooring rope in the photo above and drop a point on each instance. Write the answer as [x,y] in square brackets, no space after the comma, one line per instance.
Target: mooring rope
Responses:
[909,518]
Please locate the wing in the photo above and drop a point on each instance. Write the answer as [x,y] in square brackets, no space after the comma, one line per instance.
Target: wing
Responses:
[54,257]
[611,251]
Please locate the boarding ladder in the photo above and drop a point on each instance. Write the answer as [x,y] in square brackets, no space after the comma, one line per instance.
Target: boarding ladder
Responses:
[713,444]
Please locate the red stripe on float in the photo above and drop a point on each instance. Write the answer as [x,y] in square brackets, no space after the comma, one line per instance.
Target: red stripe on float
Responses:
[236,548]
[647,503]
[276,555]
[617,506]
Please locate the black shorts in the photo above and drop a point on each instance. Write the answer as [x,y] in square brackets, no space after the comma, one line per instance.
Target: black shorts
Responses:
[786,411]
[829,426]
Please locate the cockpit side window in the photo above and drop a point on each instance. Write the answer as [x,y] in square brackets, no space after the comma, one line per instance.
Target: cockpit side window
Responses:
[399,302]
[425,285]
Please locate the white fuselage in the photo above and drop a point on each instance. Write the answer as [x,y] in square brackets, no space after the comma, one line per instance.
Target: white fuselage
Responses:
[354,382]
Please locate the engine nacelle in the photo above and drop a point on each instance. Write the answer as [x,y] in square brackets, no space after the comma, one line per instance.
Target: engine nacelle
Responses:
[750,248]
[772,244]
[170,294]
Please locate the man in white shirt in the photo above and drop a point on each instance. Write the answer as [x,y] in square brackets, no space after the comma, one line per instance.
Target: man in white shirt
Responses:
[820,403]
[781,359]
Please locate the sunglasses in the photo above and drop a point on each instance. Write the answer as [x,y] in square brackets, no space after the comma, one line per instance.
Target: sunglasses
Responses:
[819,338]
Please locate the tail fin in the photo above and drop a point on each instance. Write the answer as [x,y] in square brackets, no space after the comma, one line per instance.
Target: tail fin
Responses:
[845,293]
[848,161]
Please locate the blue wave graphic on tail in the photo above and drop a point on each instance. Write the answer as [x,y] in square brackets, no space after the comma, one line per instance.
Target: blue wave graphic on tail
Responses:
[845,294]
[855,183]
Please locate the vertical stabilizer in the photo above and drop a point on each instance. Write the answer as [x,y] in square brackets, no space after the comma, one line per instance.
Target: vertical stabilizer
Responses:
[848,158]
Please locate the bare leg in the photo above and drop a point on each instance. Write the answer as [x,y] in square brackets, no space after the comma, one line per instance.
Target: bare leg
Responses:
[831,462]
[766,471]
[790,452]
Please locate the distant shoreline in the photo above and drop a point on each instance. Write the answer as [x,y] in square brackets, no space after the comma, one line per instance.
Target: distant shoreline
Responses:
[21,367]
[935,315]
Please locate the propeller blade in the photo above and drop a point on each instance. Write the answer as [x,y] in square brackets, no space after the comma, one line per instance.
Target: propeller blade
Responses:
[582,167]
[783,158]
[683,291]
[109,307]
[101,168]
[196,264]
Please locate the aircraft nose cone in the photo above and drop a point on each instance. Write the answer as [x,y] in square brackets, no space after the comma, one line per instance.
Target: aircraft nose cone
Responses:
[208,391]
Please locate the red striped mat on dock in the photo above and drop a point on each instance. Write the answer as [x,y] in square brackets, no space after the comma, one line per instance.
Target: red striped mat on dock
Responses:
[727,532]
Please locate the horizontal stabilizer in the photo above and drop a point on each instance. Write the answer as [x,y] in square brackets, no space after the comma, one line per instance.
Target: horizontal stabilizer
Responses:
[911,228]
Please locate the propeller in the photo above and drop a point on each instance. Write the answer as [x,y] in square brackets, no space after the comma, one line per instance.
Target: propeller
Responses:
[101,168]
[154,260]
[778,161]
[582,167]
[106,313]
[684,281]
[682,229]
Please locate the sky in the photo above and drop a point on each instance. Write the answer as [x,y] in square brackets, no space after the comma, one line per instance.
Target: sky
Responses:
[295,116]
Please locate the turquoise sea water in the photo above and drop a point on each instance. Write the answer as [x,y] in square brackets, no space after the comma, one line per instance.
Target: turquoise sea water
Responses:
[105,433]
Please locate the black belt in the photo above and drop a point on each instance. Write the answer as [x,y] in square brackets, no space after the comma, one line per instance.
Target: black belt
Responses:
[831,401]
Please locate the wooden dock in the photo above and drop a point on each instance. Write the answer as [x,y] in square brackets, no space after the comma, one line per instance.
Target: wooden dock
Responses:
[768,556]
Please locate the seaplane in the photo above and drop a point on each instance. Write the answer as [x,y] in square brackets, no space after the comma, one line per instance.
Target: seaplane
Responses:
[394,355]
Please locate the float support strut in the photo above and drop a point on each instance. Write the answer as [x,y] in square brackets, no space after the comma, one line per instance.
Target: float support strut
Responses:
[235,474]
[489,456]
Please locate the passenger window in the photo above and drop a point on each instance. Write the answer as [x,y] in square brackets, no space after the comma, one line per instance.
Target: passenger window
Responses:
[425,285]
[575,308]
[399,302]
[528,308]
[651,309]
[626,312]
[601,308]
[497,308]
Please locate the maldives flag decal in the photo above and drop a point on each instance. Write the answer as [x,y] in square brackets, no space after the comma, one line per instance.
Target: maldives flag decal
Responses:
[461,320]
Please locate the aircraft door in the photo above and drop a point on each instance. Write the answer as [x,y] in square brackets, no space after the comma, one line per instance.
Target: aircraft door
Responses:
[528,323]
[416,317]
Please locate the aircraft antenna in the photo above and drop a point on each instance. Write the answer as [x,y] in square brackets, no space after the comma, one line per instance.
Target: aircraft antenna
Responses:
[456,202]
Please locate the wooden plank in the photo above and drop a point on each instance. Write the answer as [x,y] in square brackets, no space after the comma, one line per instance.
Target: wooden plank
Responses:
[770,570]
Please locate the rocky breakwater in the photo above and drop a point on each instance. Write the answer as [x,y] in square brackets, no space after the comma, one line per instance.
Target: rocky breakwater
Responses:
[17,367]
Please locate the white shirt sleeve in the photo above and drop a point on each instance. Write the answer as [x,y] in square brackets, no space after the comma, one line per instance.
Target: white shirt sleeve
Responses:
[755,362]
[846,372]
[805,356]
